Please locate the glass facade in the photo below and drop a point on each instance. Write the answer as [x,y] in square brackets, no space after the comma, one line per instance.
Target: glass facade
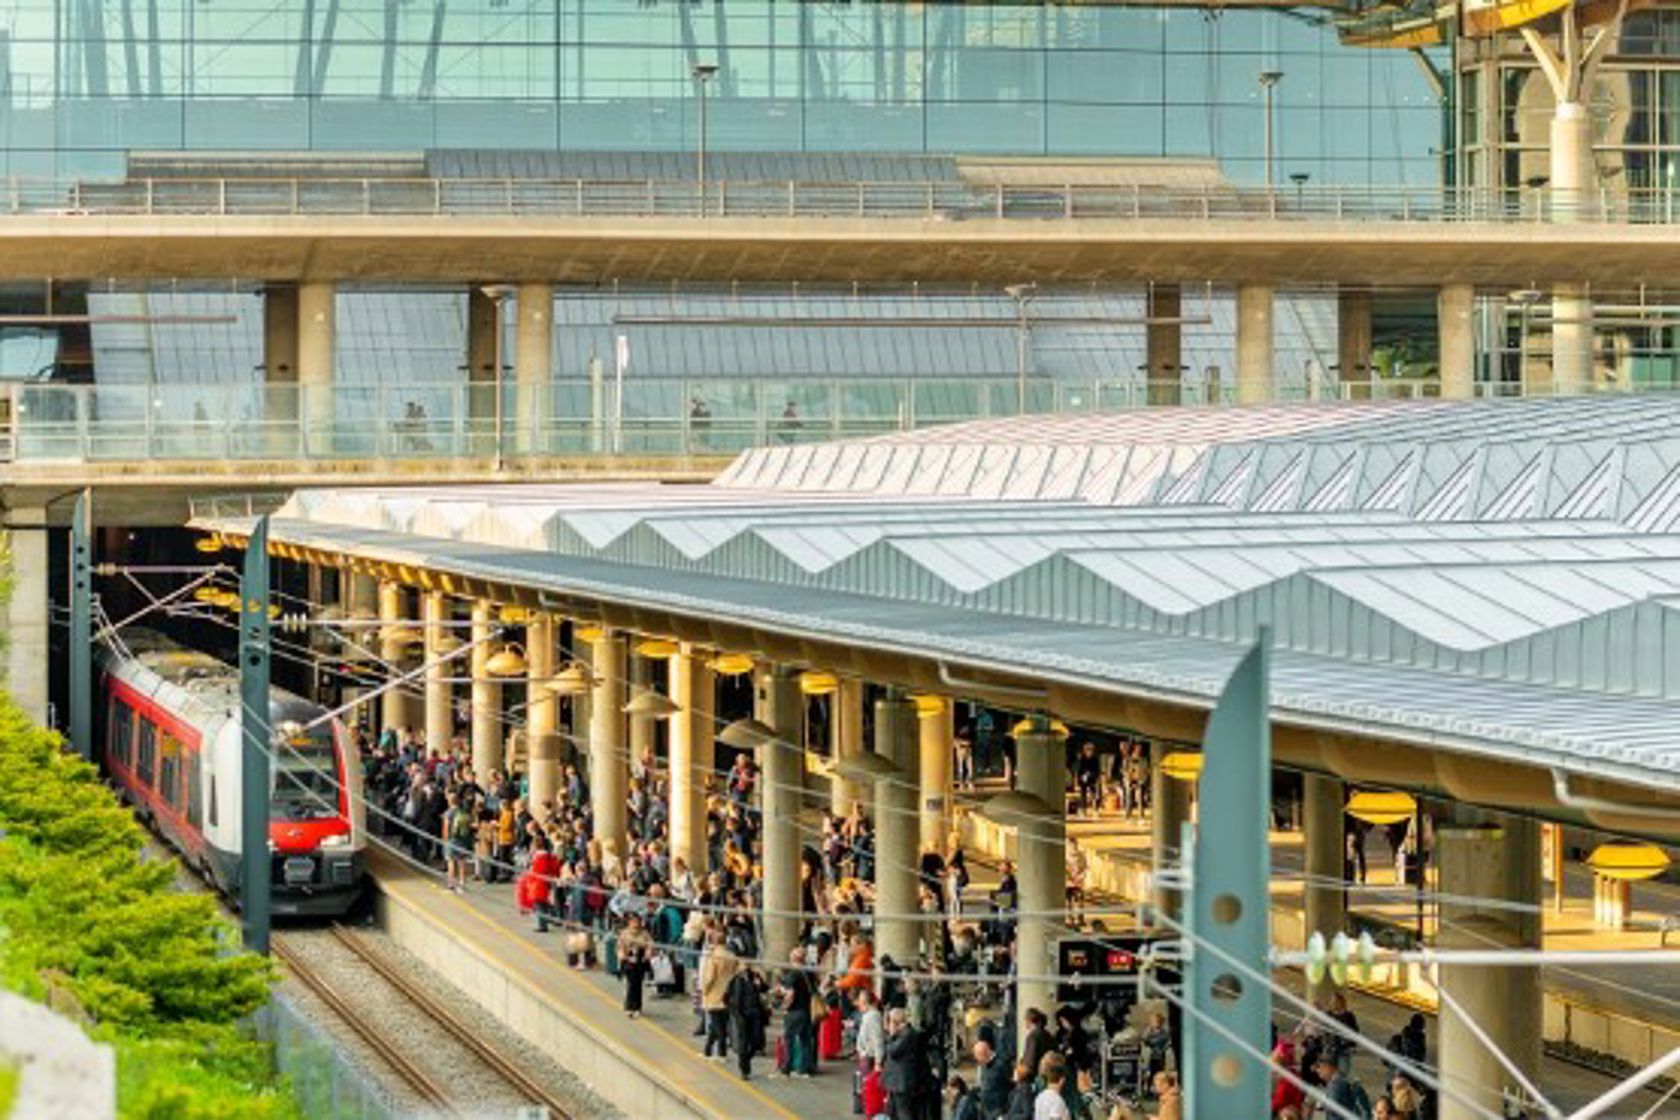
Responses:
[84,81]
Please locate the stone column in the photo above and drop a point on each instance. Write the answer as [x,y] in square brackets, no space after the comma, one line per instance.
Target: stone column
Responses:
[1324,802]
[317,363]
[1256,375]
[1455,318]
[27,626]
[1574,187]
[1353,341]
[1500,862]
[781,707]
[488,743]
[483,321]
[393,707]
[896,871]
[533,368]
[693,735]
[440,718]
[937,730]
[1169,808]
[1163,345]
[846,733]
[1041,870]
[641,728]
[609,770]
[542,712]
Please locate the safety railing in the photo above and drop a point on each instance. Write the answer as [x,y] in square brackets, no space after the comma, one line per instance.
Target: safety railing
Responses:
[934,201]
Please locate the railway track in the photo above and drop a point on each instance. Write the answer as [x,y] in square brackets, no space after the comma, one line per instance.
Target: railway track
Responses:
[423,1085]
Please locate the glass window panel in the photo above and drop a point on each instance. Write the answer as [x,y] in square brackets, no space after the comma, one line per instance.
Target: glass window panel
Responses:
[1133,130]
[985,128]
[1106,77]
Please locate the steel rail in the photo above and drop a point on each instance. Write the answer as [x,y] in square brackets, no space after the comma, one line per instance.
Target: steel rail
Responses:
[416,1078]
[462,1033]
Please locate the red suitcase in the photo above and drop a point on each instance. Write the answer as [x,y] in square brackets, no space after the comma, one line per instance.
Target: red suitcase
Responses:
[829,1034]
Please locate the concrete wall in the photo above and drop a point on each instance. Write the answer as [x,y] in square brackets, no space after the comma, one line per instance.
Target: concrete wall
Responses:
[618,1077]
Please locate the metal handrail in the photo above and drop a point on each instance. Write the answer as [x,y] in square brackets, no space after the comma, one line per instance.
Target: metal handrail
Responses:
[936,201]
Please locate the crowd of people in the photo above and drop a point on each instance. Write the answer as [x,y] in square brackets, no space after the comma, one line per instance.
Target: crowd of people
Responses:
[693,933]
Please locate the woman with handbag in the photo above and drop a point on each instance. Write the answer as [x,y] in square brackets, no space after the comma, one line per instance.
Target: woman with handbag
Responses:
[635,950]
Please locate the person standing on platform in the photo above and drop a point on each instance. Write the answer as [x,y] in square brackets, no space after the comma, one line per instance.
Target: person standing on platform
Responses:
[799,1035]
[635,951]
[906,1074]
[746,1018]
[717,968]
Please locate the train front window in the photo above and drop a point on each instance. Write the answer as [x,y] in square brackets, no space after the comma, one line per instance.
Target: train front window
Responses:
[305,776]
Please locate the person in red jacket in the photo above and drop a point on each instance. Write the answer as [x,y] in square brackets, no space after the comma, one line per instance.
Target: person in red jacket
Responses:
[536,887]
[1286,1094]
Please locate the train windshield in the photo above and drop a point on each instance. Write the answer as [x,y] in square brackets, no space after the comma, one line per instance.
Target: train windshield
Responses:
[305,775]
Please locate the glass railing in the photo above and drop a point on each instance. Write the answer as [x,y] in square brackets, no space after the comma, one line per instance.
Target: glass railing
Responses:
[935,200]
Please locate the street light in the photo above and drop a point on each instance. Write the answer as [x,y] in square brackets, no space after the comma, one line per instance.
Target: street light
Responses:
[1021,294]
[703,72]
[498,294]
[1269,79]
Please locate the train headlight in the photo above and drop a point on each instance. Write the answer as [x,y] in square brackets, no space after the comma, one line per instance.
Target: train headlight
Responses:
[336,840]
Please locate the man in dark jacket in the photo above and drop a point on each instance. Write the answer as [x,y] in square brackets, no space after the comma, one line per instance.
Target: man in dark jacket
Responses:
[745,1027]
[905,1075]
[1038,1042]
[994,1076]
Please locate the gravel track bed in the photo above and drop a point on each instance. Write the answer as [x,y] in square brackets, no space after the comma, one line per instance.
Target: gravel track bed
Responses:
[432,1047]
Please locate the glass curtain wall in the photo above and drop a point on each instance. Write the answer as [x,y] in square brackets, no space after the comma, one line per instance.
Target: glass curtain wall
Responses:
[84,81]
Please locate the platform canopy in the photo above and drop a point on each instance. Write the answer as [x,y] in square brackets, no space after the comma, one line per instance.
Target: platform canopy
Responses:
[1498,581]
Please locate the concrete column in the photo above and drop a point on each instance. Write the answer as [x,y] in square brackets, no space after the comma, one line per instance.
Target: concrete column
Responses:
[1572,340]
[1574,186]
[317,361]
[1041,870]
[896,872]
[483,320]
[641,728]
[1169,801]
[1256,377]
[533,360]
[1455,310]
[1163,345]
[846,733]
[780,706]
[26,613]
[393,706]
[582,706]
[488,743]
[936,731]
[609,770]
[693,736]
[1353,341]
[542,712]
[1324,802]
[1500,862]
[280,352]
[440,719]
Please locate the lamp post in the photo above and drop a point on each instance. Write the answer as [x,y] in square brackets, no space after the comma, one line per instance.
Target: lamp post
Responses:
[703,72]
[1299,178]
[1021,294]
[1268,80]
[498,295]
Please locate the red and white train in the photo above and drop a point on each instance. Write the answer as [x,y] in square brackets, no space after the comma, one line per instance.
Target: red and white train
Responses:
[170,739]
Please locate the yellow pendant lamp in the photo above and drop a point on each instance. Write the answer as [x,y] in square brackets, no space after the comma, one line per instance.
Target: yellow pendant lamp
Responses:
[509,661]
[928,705]
[401,635]
[815,682]
[650,704]
[574,680]
[1628,860]
[588,632]
[513,615]
[1382,806]
[208,595]
[1026,725]
[208,545]
[1182,766]
[732,664]
[657,649]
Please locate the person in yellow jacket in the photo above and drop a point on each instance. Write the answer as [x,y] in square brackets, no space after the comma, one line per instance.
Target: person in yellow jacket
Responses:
[717,969]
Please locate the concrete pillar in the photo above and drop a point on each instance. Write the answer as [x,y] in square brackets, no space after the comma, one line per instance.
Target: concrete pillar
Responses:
[1169,801]
[1499,862]
[1041,870]
[936,732]
[26,612]
[641,728]
[1163,345]
[1455,311]
[533,359]
[582,706]
[780,706]
[317,361]
[1256,377]
[1572,340]
[896,872]
[1353,341]
[542,712]
[609,770]
[693,737]
[483,320]
[440,717]
[280,352]
[1574,186]
[393,706]
[1324,803]
[488,743]
[846,733]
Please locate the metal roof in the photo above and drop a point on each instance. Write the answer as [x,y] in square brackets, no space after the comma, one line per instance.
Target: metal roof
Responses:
[1501,574]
